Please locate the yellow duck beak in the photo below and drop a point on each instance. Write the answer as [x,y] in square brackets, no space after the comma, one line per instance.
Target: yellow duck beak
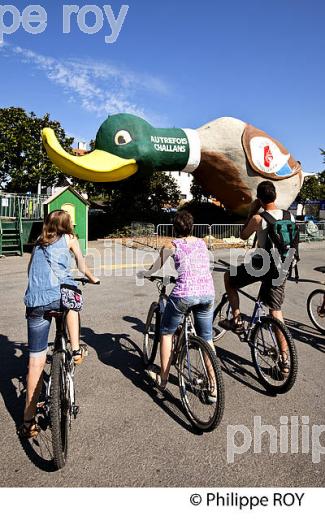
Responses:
[96,166]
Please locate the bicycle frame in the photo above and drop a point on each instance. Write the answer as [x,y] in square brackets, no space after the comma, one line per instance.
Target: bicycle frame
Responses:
[256,316]
[258,312]
[186,328]
[162,301]
[199,375]
[60,345]
[269,340]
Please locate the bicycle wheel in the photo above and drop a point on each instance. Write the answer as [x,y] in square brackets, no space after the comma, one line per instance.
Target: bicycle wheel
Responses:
[221,312]
[151,334]
[59,410]
[316,309]
[199,375]
[267,337]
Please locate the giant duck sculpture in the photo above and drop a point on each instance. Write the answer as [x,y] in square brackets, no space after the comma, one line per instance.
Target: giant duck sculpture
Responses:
[227,157]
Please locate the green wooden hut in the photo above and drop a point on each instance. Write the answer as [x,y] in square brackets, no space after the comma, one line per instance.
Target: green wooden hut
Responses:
[76,205]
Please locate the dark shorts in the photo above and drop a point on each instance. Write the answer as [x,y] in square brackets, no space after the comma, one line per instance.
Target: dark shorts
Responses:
[202,308]
[39,327]
[271,294]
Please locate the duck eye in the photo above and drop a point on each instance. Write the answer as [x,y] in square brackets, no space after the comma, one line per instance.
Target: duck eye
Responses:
[122,137]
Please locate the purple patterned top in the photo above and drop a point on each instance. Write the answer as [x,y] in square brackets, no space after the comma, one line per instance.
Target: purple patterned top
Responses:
[193,267]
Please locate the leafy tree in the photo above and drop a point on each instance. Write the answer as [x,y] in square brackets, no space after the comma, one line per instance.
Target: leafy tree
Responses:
[141,197]
[313,188]
[197,192]
[310,190]
[23,160]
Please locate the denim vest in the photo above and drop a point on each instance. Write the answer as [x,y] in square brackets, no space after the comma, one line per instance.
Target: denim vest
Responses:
[49,268]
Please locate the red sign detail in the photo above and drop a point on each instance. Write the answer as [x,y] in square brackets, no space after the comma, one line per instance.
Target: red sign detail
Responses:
[268,157]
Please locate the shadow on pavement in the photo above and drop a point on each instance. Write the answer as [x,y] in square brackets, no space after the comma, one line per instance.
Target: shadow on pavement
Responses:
[120,352]
[306,334]
[239,368]
[138,325]
[306,280]
[13,370]
[39,451]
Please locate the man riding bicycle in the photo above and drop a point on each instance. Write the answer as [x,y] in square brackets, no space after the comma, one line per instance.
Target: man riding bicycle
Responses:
[272,290]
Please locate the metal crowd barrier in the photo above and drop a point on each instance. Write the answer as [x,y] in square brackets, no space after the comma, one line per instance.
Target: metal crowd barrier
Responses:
[230,233]
[163,231]
[221,231]
[205,231]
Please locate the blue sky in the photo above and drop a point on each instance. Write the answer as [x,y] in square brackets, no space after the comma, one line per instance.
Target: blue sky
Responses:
[179,63]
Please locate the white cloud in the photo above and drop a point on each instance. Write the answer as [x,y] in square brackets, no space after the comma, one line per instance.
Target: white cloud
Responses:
[100,88]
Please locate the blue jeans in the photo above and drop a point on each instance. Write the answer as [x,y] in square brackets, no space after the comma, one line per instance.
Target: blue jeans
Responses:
[202,307]
[38,327]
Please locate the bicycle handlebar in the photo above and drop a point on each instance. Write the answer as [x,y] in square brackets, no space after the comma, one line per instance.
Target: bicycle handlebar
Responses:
[223,262]
[165,279]
[84,281]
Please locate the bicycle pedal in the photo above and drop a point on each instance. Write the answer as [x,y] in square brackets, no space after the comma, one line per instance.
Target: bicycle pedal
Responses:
[41,407]
[43,422]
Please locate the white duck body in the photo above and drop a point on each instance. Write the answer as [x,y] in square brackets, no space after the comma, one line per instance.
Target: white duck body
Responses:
[226,171]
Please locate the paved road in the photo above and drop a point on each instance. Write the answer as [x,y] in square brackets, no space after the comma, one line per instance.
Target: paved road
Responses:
[127,434]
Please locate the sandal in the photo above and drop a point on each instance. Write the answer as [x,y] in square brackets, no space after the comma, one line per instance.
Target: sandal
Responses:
[236,325]
[321,311]
[29,429]
[157,380]
[79,355]
[41,407]
[212,397]
[284,365]
[212,394]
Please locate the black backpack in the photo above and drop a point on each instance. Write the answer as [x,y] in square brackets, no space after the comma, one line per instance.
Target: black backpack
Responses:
[283,235]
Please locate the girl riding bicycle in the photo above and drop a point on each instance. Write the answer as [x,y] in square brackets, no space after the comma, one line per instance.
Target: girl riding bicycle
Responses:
[194,289]
[49,267]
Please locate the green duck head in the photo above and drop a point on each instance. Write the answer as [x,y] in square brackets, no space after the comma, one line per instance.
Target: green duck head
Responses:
[126,144]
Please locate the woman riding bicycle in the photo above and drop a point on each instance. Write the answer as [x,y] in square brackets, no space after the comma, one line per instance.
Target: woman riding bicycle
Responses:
[49,267]
[194,289]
